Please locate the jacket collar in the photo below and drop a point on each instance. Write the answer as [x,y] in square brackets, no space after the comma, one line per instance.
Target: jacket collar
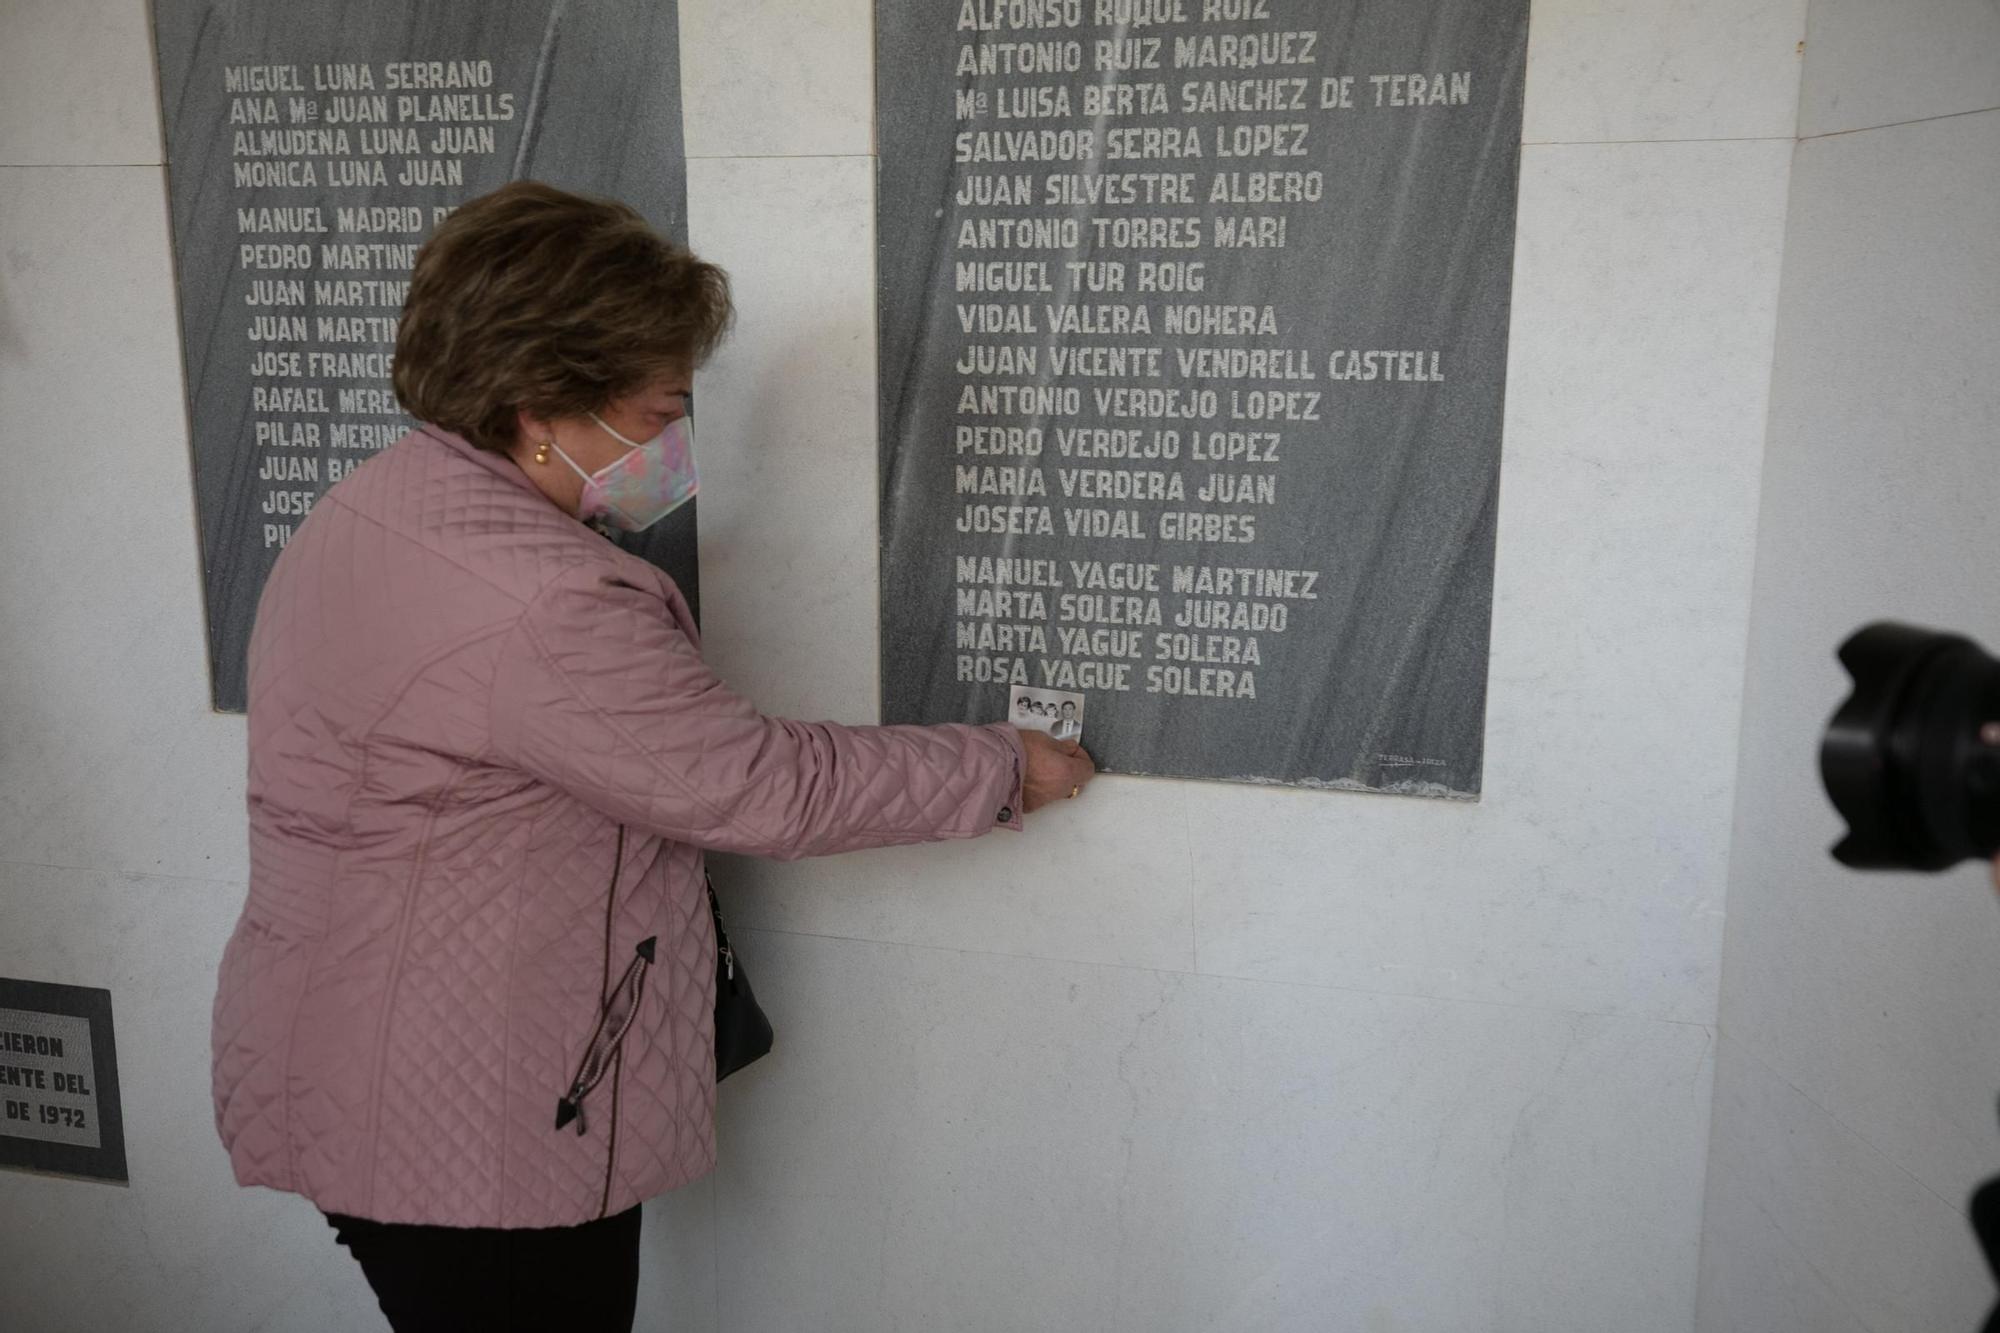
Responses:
[498,464]
[643,572]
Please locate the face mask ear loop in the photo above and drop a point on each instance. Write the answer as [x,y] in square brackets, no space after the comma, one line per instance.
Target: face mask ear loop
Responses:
[562,454]
[629,444]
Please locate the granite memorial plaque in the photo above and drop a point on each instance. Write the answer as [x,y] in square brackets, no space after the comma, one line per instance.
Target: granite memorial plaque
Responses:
[1193,331]
[310,149]
[59,1104]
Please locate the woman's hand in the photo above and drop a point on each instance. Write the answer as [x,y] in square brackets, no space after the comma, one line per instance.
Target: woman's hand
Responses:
[1057,770]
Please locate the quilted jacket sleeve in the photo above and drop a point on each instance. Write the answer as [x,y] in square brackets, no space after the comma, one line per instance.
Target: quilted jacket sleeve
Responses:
[599,693]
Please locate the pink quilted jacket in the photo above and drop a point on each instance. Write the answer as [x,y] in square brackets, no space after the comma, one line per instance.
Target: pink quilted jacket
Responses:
[485,757]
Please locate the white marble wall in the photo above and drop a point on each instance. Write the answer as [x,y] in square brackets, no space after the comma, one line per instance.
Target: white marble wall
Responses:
[1860,1053]
[1182,1056]
[1193,1056]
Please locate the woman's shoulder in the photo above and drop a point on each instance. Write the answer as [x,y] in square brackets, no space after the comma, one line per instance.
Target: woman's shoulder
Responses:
[461,507]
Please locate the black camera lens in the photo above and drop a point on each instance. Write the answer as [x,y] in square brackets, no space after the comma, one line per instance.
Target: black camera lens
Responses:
[1912,759]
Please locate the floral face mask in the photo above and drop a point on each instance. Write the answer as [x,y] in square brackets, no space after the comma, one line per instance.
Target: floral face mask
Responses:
[636,491]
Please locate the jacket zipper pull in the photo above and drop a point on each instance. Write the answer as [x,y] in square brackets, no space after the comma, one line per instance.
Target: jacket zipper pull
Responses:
[624,1002]
[721,935]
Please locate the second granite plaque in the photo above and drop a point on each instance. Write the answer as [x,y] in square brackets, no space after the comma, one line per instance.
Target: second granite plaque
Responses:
[311,149]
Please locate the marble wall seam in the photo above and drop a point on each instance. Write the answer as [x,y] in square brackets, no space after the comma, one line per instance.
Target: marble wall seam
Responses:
[73,166]
[773,157]
[1525,143]
[1745,668]
[85,166]
[1767,339]
[1615,143]
[1898,124]
[1746,664]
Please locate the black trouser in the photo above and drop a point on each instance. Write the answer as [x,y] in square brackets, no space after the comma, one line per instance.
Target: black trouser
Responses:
[431,1279]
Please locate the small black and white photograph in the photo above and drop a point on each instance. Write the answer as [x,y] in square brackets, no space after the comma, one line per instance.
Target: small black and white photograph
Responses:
[1056,712]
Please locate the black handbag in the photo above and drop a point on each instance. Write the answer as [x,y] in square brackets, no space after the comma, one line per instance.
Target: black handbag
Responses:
[742,1033]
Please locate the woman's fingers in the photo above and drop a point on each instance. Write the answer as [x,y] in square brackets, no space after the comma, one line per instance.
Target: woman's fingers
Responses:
[1057,770]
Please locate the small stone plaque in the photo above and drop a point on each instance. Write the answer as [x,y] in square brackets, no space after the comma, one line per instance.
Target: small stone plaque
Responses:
[59,1104]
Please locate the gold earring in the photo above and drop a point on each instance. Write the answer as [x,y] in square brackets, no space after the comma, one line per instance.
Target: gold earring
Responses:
[542,451]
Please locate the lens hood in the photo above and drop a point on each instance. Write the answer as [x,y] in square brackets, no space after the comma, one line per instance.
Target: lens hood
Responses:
[1906,759]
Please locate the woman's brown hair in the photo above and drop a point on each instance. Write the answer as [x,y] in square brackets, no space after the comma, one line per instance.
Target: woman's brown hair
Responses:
[533,298]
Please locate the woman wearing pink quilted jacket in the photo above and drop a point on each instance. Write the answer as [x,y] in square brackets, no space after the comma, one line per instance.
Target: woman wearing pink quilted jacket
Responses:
[485,760]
